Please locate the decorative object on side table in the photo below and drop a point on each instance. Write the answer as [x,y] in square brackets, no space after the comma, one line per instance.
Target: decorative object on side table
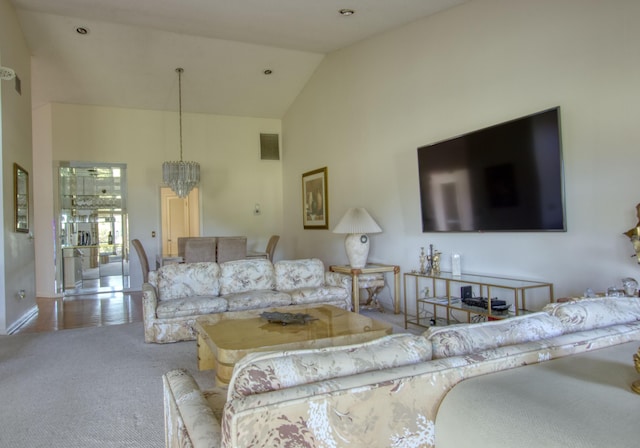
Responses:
[634,235]
[287,318]
[435,262]
[356,223]
[636,384]
[630,286]
[456,269]
[423,261]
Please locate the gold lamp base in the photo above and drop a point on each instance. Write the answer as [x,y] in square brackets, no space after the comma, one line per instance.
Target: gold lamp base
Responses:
[636,387]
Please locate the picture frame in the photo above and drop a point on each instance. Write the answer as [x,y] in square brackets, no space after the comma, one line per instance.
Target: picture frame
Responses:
[21,198]
[315,199]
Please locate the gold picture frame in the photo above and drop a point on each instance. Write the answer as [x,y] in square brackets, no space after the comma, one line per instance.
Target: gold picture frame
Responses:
[315,199]
[21,198]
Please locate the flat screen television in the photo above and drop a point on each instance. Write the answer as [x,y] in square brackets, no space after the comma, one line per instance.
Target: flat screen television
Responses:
[504,178]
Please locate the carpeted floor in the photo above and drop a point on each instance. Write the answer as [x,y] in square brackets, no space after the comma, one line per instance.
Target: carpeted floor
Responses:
[89,387]
[94,387]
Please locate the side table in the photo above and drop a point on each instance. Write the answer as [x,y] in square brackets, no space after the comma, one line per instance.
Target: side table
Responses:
[371,268]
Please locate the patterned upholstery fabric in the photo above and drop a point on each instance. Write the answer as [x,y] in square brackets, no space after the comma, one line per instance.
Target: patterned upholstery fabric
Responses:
[374,394]
[259,372]
[246,275]
[250,300]
[184,280]
[195,424]
[304,280]
[295,274]
[594,313]
[176,294]
[191,306]
[317,295]
[456,340]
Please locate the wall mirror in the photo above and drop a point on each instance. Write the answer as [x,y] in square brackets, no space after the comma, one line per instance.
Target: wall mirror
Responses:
[21,197]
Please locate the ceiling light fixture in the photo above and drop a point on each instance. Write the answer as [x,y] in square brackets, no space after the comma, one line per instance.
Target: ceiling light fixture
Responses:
[181,176]
[82,30]
[267,71]
[346,12]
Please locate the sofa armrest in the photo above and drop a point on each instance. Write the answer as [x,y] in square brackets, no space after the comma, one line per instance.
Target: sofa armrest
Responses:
[338,279]
[189,420]
[149,301]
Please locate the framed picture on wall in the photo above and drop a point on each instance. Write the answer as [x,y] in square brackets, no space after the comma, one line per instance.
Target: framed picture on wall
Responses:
[21,198]
[315,200]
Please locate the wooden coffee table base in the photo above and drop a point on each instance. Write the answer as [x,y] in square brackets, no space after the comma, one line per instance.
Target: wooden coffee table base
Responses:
[224,341]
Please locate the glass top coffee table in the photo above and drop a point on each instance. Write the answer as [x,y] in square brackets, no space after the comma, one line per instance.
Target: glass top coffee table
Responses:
[224,339]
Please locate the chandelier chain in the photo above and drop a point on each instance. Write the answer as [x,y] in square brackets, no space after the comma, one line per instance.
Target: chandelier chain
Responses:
[180,70]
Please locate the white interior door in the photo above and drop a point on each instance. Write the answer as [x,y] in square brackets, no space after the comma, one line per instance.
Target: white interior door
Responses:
[180,218]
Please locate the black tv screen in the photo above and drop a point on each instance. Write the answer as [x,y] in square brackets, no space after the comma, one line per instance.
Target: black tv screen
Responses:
[507,177]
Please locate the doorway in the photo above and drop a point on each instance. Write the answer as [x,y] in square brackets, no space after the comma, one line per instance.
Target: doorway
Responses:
[180,218]
[93,227]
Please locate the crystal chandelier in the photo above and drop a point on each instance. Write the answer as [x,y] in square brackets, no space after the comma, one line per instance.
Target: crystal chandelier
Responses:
[181,176]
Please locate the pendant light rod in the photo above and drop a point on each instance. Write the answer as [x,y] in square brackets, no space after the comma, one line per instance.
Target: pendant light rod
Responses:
[180,70]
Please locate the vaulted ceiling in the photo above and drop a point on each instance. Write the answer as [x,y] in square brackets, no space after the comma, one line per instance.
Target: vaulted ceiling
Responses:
[131,49]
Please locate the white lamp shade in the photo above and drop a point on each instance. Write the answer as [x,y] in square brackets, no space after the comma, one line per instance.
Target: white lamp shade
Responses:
[356,222]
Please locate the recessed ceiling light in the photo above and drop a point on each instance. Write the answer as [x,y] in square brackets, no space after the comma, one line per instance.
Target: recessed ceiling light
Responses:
[267,71]
[82,30]
[347,12]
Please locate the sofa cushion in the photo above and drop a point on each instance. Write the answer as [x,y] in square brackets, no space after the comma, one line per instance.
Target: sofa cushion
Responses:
[317,295]
[246,275]
[251,300]
[464,339]
[588,314]
[192,306]
[296,274]
[262,372]
[188,280]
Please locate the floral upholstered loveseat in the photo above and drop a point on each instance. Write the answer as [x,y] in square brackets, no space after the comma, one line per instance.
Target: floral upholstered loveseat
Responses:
[177,294]
[386,392]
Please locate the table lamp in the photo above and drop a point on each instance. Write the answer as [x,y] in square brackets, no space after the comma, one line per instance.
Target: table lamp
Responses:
[356,223]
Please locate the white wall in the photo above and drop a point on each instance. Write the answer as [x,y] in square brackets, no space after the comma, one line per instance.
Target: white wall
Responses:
[368,107]
[234,178]
[17,266]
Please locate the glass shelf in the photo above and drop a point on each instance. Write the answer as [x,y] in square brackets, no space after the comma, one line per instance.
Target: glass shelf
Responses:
[512,291]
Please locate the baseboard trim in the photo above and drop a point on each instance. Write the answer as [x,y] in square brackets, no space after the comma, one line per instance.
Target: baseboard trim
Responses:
[23,320]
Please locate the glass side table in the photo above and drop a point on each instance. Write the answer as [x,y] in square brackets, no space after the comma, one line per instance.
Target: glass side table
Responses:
[370,268]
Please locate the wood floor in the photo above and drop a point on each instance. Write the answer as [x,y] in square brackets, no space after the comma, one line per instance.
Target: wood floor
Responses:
[90,310]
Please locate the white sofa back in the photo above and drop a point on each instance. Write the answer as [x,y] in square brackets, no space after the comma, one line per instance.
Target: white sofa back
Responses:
[246,275]
[587,314]
[184,280]
[464,339]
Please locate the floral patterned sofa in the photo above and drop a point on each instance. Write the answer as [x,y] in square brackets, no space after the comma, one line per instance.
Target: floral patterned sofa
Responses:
[381,393]
[177,294]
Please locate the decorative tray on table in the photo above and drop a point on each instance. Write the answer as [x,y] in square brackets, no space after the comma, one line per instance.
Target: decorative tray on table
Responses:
[287,318]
